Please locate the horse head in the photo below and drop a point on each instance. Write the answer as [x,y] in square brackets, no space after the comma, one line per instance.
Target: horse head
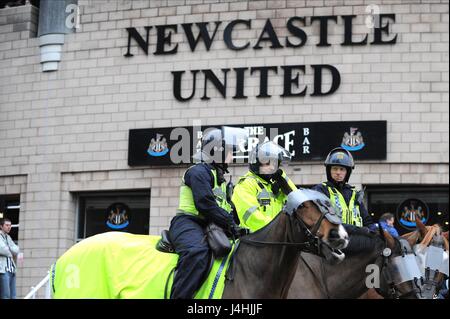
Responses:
[400,273]
[431,249]
[412,270]
[316,220]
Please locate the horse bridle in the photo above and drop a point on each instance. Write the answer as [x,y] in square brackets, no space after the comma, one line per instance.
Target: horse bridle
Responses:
[313,241]
[393,292]
[432,267]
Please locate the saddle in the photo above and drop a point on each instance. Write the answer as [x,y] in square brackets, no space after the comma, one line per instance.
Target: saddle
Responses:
[164,245]
[216,238]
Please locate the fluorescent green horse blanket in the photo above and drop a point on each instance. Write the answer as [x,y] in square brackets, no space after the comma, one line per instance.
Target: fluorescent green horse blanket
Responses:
[123,265]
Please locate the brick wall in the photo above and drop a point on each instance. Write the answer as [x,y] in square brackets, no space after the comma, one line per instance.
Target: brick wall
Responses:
[68,130]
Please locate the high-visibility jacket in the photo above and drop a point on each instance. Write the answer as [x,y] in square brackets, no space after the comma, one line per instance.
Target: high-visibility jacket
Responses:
[187,203]
[255,202]
[350,214]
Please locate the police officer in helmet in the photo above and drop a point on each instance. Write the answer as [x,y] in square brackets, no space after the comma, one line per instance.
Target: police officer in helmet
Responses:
[347,201]
[261,193]
[203,201]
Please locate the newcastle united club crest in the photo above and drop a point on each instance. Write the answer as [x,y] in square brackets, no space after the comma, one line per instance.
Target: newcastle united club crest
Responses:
[409,210]
[158,146]
[118,216]
[353,141]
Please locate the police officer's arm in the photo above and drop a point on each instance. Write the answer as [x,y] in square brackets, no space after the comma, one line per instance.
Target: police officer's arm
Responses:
[322,189]
[290,183]
[250,213]
[284,182]
[200,180]
[366,218]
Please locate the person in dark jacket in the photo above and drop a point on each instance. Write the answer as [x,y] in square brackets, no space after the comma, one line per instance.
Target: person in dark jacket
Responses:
[344,197]
[347,201]
[203,200]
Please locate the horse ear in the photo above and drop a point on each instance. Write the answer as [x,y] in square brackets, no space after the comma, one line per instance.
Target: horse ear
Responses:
[390,240]
[422,229]
[411,238]
[445,236]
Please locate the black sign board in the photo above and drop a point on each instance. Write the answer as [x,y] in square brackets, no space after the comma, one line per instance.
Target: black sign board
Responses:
[306,141]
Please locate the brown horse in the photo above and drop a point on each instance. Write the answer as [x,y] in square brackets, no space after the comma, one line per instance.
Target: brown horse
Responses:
[315,279]
[432,243]
[263,265]
[267,259]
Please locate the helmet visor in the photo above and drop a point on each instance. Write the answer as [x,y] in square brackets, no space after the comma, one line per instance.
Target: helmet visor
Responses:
[270,157]
[235,138]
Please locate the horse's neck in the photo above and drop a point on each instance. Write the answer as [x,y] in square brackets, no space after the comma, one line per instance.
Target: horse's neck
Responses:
[265,271]
[348,279]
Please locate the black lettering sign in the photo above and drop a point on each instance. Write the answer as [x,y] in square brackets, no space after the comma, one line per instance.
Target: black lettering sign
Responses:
[164,40]
[271,37]
[378,33]
[227,34]
[132,33]
[204,34]
[291,73]
[305,141]
[324,29]
[348,34]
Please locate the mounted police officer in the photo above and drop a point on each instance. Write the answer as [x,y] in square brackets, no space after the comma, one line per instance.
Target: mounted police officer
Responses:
[261,193]
[203,201]
[347,201]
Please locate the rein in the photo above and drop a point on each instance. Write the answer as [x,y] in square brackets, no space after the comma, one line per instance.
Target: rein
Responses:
[394,292]
[312,239]
[273,243]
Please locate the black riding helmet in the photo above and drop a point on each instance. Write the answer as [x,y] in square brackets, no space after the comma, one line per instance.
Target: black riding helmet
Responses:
[339,157]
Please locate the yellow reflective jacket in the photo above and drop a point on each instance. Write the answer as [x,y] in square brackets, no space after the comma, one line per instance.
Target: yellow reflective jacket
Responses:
[350,214]
[255,202]
[187,204]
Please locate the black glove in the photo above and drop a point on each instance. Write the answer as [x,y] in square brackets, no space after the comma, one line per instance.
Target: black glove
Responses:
[281,182]
[275,187]
[277,175]
[240,231]
[236,231]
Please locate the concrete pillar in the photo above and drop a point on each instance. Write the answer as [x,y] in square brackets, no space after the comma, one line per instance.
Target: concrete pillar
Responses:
[54,21]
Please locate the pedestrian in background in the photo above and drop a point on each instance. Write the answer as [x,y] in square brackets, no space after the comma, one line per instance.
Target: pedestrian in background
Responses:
[8,255]
[387,223]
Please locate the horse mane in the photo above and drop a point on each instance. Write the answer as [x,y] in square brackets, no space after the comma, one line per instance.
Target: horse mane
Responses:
[362,241]
[414,237]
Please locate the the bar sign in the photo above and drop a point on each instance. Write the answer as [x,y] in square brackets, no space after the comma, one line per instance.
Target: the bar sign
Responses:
[311,141]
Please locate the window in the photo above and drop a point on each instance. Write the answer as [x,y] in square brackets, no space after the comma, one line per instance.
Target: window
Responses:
[10,207]
[430,203]
[113,211]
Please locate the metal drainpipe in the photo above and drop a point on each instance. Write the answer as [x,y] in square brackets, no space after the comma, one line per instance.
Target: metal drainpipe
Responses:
[51,30]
